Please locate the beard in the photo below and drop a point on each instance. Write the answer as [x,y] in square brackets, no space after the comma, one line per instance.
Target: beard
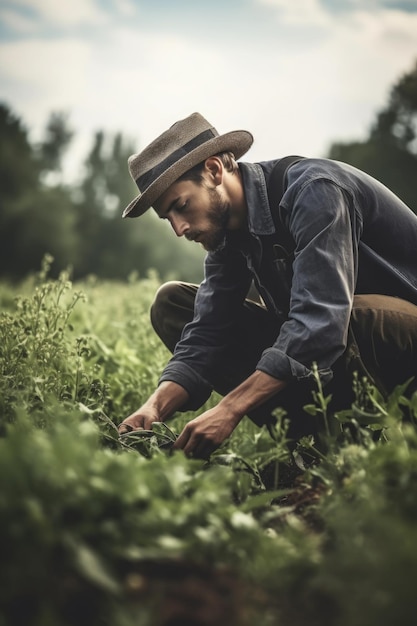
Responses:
[218,216]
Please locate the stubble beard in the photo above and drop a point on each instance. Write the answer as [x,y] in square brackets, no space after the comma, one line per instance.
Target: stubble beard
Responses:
[219,216]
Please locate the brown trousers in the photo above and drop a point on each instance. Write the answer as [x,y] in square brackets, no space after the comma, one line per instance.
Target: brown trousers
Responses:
[382,345]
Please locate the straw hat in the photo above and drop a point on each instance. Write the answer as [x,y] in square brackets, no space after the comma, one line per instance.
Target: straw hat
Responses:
[187,143]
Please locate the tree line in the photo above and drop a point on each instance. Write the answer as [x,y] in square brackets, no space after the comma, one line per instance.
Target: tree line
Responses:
[390,151]
[80,224]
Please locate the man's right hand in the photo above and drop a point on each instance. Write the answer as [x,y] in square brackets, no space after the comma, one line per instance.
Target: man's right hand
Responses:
[163,403]
[142,419]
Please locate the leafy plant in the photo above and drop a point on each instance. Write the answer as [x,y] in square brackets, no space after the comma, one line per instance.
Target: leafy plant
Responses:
[99,529]
[91,517]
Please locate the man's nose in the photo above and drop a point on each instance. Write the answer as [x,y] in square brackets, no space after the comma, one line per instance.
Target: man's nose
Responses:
[179,225]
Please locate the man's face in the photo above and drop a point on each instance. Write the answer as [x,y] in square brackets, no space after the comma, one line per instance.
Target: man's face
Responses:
[197,211]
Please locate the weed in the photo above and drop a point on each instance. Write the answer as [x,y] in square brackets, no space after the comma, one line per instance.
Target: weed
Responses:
[95,527]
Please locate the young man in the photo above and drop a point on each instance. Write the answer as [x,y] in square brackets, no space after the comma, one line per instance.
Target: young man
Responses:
[334,260]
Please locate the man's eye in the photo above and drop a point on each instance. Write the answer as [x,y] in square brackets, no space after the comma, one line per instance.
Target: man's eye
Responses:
[181,208]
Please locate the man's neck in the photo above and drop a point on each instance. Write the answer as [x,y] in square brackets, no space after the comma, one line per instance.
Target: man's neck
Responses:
[238,207]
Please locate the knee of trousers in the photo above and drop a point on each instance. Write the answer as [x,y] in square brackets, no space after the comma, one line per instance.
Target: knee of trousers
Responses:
[391,319]
[172,308]
[385,329]
[161,302]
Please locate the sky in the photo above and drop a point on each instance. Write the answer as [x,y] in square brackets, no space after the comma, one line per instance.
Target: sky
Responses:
[298,74]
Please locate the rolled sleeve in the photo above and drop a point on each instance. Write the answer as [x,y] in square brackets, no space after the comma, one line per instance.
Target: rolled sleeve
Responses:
[279,365]
[198,389]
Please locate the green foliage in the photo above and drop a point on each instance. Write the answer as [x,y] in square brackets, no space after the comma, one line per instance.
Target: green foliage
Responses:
[43,359]
[369,510]
[57,138]
[18,167]
[390,151]
[77,520]
[97,529]
[79,224]
[34,351]
[34,218]
[397,122]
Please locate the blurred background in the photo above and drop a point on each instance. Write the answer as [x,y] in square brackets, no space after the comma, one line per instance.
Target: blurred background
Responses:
[86,83]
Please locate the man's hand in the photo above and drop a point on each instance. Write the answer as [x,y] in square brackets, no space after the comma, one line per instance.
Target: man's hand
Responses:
[160,406]
[143,418]
[205,433]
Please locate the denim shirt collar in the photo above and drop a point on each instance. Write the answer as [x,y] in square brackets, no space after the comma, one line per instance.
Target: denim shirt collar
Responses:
[260,221]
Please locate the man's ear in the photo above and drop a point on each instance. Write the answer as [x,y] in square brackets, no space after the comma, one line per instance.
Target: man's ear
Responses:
[215,169]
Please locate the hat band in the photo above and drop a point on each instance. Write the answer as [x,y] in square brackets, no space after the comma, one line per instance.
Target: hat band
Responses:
[144,181]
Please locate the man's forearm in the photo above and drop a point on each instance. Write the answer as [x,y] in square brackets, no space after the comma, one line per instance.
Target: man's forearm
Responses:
[207,431]
[252,393]
[166,399]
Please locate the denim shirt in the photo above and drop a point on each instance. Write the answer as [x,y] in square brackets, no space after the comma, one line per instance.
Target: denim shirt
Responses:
[350,235]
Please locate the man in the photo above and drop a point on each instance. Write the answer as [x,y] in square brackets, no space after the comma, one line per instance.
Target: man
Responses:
[334,260]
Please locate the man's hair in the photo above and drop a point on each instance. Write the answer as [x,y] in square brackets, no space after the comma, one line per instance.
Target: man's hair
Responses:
[195,173]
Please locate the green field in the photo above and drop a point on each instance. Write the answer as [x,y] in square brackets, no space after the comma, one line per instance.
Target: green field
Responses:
[101,530]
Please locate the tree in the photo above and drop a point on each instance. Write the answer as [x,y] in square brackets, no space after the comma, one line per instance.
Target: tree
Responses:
[113,247]
[34,217]
[57,138]
[397,123]
[81,225]
[18,167]
[390,152]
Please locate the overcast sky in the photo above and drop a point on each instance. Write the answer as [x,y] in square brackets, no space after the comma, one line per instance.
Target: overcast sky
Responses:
[298,74]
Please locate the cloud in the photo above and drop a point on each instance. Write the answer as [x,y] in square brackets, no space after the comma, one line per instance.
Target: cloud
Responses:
[44,75]
[16,21]
[298,80]
[70,13]
[126,8]
[301,12]
[312,11]
[39,16]
[54,69]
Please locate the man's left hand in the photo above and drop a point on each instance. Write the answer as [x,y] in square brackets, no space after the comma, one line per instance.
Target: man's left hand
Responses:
[206,432]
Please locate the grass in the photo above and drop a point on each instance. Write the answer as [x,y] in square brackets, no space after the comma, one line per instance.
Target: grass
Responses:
[97,529]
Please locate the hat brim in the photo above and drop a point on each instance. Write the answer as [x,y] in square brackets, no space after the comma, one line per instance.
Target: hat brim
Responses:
[237,141]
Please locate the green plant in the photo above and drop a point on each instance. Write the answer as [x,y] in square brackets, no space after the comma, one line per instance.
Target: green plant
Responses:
[99,529]
[36,353]
[78,520]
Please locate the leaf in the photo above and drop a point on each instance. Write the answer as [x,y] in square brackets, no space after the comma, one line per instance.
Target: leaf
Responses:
[344,417]
[311,409]
[263,499]
[138,434]
[413,404]
[91,566]
[160,428]
[358,415]
[85,409]
[397,398]
[299,461]
[104,418]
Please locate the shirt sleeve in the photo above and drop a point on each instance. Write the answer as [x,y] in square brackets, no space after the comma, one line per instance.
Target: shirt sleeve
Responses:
[206,338]
[322,221]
